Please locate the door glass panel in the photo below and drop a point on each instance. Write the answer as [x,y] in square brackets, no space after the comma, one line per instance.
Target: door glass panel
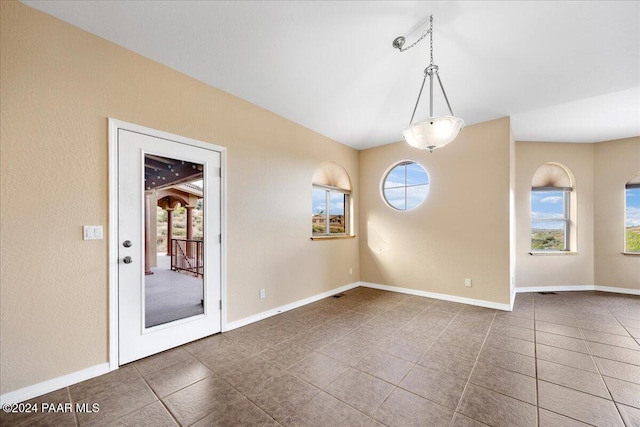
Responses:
[174,239]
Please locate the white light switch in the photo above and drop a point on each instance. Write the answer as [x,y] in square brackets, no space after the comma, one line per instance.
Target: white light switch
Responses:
[92,232]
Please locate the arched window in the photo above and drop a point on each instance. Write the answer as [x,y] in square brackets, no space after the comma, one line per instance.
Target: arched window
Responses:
[551,189]
[405,186]
[632,215]
[331,191]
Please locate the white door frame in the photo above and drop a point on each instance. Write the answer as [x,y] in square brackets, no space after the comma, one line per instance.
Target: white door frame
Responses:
[114,125]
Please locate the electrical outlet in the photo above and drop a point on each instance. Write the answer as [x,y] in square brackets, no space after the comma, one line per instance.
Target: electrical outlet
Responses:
[263,293]
[350,270]
[467,283]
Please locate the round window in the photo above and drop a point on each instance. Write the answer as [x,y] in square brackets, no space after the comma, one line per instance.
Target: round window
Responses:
[405,186]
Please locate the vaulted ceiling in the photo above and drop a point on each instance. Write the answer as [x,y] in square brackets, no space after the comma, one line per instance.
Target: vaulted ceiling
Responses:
[564,71]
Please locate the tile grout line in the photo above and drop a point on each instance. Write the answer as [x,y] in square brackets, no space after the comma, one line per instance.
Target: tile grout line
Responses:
[570,388]
[353,367]
[598,368]
[416,363]
[413,363]
[475,362]
[535,331]
[250,399]
[425,352]
[535,378]
[132,364]
[244,395]
[395,387]
[535,354]
[156,394]
[75,415]
[320,390]
[584,338]
[586,343]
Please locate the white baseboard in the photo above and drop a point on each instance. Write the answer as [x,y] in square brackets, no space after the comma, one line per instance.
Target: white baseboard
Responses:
[287,307]
[445,297]
[579,288]
[617,290]
[54,384]
[554,289]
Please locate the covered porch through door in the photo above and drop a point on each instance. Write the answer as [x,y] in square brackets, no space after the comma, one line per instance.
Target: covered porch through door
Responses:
[174,258]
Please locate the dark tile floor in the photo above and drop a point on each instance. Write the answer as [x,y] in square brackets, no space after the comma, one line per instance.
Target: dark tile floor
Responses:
[377,358]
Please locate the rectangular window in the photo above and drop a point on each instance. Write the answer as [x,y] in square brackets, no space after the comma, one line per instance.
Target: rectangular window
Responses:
[549,220]
[632,219]
[329,212]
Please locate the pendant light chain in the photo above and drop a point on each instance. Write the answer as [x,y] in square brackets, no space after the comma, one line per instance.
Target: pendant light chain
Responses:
[399,44]
[431,38]
[430,70]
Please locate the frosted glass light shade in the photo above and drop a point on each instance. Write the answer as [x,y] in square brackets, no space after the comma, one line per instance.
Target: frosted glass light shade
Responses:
[434,132]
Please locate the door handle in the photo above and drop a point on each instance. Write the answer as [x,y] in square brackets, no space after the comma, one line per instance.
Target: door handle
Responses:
[127,260]
[127,243]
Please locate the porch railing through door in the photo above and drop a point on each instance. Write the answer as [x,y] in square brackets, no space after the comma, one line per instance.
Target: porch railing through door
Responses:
[187,256]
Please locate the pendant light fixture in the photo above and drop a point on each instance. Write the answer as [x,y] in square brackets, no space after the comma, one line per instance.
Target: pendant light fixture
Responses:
[433,132]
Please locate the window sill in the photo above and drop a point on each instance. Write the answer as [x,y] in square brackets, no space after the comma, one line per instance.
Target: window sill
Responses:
[631,253]
[553,253]
[332,237]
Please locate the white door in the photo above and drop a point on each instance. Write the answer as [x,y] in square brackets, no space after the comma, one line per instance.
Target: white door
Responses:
[165,301]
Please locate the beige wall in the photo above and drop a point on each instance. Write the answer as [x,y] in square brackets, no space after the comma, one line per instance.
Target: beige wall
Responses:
[460,231]
[59,85]
[616,162]
[555,270]
[600,171]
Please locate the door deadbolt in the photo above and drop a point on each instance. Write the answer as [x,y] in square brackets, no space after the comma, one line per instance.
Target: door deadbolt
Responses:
[127,260]
[127,243]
